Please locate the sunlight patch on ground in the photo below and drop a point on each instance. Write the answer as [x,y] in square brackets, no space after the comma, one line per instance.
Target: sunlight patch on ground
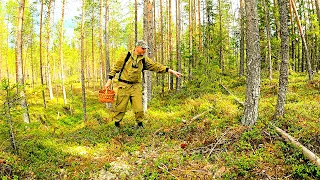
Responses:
[77,150]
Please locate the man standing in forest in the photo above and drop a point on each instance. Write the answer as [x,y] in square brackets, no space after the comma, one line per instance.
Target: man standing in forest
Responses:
[130,87]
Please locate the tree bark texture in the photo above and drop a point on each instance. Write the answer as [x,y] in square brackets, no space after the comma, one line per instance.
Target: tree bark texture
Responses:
[266,15]
[23,101]
[178,46]
[102,80]
[283,79]
[170,46]
[48,50]
[84,103]
[149,37]
[250,115]
[221,62]
[41,63]
[309,154]
[61,54]
[242,34]
[318,9]
[162,48]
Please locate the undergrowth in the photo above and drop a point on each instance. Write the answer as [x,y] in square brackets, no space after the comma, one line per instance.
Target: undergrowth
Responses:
[57,144]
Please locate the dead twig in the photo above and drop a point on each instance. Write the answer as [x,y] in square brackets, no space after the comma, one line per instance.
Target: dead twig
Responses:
[217,143]
[167,170]
[155,133]
[194,170]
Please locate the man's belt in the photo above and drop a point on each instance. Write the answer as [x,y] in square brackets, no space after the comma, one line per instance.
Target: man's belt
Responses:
[127,82]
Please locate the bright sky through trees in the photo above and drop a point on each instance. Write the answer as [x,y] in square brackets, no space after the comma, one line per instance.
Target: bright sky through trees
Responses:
[73,9]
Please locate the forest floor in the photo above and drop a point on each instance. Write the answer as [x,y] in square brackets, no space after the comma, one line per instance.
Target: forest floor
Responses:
[57,144]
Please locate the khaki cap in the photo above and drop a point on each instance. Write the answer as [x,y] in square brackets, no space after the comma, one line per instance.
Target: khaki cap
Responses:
[142,43]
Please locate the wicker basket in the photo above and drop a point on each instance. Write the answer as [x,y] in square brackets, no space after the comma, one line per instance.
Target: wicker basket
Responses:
[106,97]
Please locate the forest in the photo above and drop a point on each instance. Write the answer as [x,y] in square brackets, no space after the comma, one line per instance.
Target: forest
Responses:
[246,107]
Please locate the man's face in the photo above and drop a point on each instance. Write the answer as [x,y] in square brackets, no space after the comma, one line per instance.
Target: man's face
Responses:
[140,50]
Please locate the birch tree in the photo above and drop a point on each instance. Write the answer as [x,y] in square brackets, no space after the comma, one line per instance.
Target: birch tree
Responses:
[250,114]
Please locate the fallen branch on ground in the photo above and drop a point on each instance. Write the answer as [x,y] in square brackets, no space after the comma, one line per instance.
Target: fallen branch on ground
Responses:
[197,117]
[310,155]
[235,98]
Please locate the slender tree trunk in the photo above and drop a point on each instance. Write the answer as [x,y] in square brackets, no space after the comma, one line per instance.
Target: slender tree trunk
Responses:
[318,9]
[9,118]
[220,38]
[135,21]
[102,77]
[32,62]
[23,101]
[109,105]
[250,115]
[7,60]
[61,54]
[41,64]
[194,34]
[1,57]
[107,40]
[48,50]
[190,40]
[93,69]
[310,73]
[170,46]
[82,63]
[149,37]
[178,46]
[283,79]
[155,47]
[293,54]
[242,34]
[162,46]
[266,15]
[277,23]
[199,27]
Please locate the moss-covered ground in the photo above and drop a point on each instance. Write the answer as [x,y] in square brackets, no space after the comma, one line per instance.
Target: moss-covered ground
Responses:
[58,144]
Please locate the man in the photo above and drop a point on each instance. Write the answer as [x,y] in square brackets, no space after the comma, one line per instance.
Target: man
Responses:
[130,87]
